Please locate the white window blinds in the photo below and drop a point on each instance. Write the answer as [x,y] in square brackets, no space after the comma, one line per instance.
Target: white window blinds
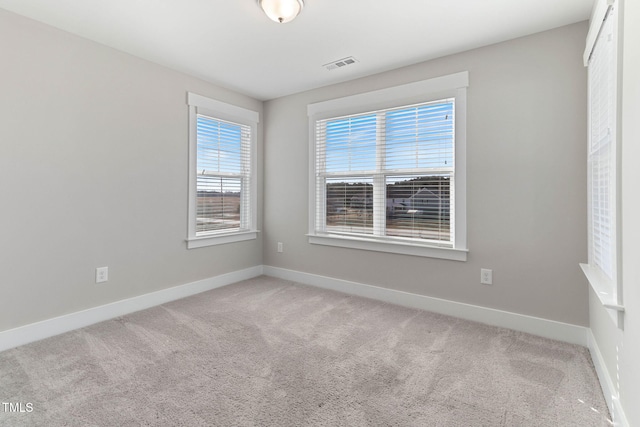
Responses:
[602,151]
[223,176]
[387,173]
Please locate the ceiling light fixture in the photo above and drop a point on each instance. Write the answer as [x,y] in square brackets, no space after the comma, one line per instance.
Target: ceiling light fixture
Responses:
[281,11]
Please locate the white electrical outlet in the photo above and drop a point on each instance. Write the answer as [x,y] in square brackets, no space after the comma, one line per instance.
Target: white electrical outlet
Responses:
[280,247]
[486,276]
[102,274]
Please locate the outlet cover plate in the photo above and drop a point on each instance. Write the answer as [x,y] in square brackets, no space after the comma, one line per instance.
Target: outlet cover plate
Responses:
[102,274]
[486,276]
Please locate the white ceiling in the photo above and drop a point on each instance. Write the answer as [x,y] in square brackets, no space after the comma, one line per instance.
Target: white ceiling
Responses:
[233,44]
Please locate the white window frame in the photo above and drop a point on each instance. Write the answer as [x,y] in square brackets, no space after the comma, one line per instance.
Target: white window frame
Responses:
[608,287]
[199,104]
[449,86]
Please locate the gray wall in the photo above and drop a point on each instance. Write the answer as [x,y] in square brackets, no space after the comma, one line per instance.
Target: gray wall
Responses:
[526,187]
[93,172]
[621,348]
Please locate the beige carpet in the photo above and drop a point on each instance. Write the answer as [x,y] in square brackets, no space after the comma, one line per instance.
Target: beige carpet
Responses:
[266,352]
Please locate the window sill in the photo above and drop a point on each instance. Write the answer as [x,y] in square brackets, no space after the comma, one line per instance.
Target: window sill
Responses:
[221,239]
[402,248]
[601,287]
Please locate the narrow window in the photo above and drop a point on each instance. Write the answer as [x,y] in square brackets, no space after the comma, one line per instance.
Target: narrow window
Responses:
[222,190]
[603,158]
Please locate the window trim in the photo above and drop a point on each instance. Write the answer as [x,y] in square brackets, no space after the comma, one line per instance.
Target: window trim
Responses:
[199,104]
[449,86]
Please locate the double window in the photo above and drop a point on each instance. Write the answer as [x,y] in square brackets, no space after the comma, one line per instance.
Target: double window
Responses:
[222,165]
[392,178]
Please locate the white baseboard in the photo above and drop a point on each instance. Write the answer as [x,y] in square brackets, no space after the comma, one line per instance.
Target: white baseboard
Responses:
[606,382]
[533,325]
[58,325]
[542,327]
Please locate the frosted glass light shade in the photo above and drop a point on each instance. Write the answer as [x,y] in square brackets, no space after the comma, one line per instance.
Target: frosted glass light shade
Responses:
[281,11]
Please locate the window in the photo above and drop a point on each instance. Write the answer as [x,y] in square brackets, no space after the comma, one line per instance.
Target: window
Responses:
[602,155]
[388,169]
[222,187]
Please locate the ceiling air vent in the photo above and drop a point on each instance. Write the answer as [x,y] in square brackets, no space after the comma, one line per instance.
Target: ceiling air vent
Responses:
[340,63]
